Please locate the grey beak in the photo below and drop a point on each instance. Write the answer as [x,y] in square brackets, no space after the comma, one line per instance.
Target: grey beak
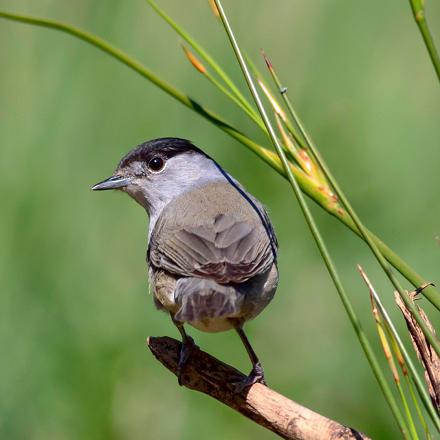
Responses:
[113,182]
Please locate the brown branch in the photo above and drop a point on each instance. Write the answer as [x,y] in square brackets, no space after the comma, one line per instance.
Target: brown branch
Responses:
[259,403]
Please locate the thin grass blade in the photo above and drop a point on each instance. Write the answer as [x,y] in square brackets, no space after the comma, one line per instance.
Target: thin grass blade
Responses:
[204,71]
[418,8]
[385,336]
[204,55]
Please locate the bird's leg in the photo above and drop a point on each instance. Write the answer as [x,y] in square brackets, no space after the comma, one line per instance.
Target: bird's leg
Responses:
[257,372]
[188,345]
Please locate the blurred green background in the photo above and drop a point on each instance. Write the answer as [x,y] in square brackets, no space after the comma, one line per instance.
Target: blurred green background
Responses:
[74,304]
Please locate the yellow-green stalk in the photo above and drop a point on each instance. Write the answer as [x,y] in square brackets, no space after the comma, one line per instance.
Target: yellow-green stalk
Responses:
[409,384]
[303,161]
[214,8]
[199,66]
[382,332]
[418,8]
[205,56]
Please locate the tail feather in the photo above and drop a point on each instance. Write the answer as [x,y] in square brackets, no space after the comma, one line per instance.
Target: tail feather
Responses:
[201,299]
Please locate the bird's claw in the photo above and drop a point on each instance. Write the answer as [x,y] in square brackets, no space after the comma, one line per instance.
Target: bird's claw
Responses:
[188,346]
[255,376]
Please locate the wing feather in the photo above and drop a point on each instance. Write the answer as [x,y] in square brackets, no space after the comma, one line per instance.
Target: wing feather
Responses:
[227,247]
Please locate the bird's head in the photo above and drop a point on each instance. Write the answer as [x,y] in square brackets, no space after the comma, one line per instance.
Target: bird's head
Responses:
[157,171]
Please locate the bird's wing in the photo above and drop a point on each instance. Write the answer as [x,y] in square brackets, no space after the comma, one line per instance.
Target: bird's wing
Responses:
[228,244]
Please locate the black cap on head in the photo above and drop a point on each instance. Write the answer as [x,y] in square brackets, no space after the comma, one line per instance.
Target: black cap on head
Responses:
[167,147]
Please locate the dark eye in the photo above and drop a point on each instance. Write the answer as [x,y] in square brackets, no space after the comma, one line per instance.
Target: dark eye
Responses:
[156,164]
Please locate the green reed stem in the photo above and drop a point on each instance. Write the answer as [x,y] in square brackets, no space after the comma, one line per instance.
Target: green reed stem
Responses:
[314,229]
[418,8]
[409,418]
[205,55]
[235,100]
[290,127]
[418,409]
[365,234]
[146,73]
[408,381]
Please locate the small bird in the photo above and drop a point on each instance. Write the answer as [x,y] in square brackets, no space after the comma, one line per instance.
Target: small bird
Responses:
[212,251]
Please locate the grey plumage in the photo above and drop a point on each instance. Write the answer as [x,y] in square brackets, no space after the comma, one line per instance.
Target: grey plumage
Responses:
[211,233]
[212,250]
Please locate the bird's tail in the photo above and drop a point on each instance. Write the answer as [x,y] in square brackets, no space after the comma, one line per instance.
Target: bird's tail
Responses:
[201,299]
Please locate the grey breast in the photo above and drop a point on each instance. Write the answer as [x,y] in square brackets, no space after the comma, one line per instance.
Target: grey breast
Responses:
[212,232]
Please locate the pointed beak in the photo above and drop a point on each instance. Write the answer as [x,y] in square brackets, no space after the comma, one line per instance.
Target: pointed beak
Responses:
[113,182]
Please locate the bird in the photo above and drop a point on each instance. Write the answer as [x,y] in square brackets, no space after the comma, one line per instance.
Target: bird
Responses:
[212,250]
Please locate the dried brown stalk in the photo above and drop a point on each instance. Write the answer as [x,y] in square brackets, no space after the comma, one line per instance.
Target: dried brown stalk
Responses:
[259,403]
[427,356]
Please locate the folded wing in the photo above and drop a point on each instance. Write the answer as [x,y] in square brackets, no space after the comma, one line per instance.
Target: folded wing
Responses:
[224,248]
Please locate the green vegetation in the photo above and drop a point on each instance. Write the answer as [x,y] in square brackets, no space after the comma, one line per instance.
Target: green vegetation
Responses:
[75,309]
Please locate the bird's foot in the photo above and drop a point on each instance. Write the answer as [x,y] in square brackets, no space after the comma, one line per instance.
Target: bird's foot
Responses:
[188,346]
[255,376]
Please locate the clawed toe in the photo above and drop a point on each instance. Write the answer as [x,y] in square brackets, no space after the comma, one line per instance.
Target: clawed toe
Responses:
[188,346]
[255,376]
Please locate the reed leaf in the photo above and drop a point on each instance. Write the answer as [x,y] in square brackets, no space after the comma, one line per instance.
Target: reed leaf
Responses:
[204,71]
[418,9]
[204,55]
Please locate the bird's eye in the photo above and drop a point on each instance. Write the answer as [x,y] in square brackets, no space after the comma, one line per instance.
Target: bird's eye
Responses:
[156,164]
